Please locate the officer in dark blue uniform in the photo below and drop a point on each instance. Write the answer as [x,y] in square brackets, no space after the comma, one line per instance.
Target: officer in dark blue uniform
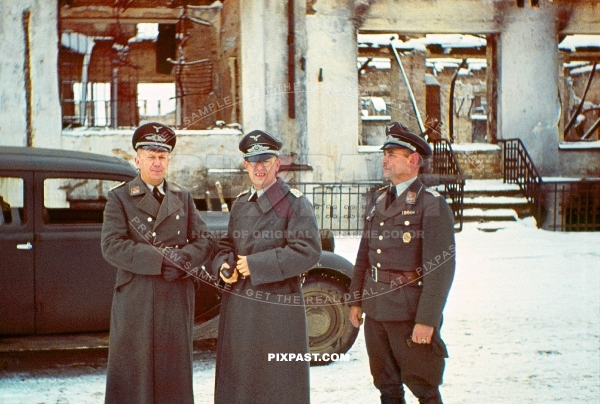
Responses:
[403,273]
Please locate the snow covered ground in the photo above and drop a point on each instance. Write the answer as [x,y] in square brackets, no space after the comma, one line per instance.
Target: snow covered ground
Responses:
[522,325]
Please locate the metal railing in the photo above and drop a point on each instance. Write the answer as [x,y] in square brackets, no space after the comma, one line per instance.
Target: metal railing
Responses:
[447,175]
[572,205]
[518,168]
[339,207]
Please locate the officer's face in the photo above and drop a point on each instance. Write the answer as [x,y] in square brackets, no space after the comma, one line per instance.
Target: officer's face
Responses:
[153,165]
[262,173]
[399,164]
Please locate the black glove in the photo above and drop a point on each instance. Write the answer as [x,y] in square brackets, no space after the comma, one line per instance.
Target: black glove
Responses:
[228,272]
[173,264]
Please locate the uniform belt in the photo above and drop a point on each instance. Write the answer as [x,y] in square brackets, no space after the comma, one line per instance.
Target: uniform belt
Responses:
[398,277]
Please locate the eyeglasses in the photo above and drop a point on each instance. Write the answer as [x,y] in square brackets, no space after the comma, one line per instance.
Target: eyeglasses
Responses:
[266,163]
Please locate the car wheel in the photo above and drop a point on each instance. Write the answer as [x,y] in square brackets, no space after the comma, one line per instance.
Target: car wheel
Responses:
[329,329]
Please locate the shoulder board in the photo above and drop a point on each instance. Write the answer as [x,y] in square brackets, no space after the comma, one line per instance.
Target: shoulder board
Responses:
[296,192]
[380,197]
[242,193]
[433,192]
[383,187]
[118,185]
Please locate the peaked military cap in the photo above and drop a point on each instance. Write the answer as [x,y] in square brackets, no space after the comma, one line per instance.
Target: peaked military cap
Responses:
[258,146]
[154,136]
[398,135]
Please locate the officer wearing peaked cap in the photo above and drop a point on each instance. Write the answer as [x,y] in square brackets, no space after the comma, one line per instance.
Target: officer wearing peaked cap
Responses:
[154,235]
[154,136]
[399,136]
[258,146]
[406,254]
[272,238]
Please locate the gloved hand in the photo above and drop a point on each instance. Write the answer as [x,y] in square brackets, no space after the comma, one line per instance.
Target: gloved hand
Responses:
[228,272]
[173,264]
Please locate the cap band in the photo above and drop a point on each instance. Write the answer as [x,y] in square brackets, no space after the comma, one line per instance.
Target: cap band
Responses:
[394,140]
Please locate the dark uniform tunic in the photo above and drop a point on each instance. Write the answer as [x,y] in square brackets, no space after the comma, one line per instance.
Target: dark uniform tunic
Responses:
[264,313]
[415,233]
[150,351]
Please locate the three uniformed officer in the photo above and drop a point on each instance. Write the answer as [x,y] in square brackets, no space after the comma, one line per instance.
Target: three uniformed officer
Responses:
[403,273]
[272,238]
[154,235]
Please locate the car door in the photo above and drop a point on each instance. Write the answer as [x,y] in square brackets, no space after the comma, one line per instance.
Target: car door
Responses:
[17,301]
[73,282]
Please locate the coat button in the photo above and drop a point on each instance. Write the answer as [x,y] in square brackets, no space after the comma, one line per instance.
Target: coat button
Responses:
[149,219]
[178,232]
[177,217]
[379,251]
[153,234]
[177,246]
[378,265]
[420,283]
[381,224]
[407,223]
[380,237]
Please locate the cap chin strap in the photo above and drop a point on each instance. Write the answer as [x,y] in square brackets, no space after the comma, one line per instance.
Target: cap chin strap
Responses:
[392,139]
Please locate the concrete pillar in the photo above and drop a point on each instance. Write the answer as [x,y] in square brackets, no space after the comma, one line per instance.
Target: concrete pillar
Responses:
[528,103]
[30,111]
[332,90]
[265,86]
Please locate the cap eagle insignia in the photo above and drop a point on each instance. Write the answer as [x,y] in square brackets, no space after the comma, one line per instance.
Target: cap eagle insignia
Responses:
[255,137]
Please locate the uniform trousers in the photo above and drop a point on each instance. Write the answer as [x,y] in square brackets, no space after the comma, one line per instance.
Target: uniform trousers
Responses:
[395,360]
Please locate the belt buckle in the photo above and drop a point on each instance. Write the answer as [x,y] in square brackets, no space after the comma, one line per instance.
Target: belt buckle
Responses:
[374,273]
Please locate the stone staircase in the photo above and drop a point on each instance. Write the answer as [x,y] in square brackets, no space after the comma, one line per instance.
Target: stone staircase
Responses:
[491,200]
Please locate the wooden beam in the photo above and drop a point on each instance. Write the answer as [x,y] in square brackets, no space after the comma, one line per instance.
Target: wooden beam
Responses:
[582,18]
[443,17]
[455,53]
[580,56]
[100,14]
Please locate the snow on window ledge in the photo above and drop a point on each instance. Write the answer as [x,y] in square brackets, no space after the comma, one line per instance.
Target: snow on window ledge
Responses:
[582,145]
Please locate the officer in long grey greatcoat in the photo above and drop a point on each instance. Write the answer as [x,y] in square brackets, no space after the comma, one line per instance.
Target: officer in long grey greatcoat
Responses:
[154,235]
[402,276]
[272,238]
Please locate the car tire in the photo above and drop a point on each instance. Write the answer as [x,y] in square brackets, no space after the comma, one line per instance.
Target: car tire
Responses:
[329,329]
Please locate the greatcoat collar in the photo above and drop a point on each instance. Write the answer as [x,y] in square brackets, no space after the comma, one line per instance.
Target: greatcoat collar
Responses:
[171,203]
[273,195]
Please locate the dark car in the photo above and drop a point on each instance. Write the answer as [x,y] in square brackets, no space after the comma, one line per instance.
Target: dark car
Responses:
[53,278]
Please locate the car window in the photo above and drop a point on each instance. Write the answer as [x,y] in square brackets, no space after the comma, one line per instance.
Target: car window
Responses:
[12,197]
[75,200]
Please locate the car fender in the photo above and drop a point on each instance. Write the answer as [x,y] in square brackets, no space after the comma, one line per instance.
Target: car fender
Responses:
[336,262]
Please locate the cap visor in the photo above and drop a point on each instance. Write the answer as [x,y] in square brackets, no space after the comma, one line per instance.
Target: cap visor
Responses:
[259,157]
[393,146]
